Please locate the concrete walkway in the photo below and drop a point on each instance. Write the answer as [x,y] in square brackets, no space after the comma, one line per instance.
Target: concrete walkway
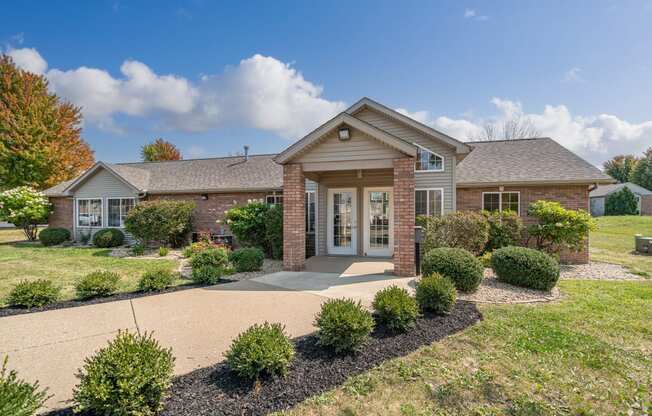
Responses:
[198,324]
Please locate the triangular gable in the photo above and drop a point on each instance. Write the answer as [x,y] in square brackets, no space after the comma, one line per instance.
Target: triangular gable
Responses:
[365,102]
[343,118]
[91,171]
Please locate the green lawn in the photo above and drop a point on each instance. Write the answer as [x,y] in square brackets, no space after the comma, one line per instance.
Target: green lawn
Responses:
[11,234]
[613,242]
[590,354]
[64,266]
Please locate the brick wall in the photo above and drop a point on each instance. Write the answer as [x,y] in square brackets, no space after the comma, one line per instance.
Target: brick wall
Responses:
[294,225]
[62,214]
[404,217]
[646,205]
[571,197]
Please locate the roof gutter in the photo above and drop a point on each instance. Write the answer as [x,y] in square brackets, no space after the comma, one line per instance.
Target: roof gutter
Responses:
[534,183]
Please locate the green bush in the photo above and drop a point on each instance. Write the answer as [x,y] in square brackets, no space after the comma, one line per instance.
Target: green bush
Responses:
[216,257]
[17,397]
[163,251]
[197,247]
[108,237]
[260,350]
[622,202]
[258,225]
[207,275]
[525,267]
[247,259]
[462,267]
[138,249]
[130,376]
[462,229]
[274,231]
[486,259]
[32,294]
[396,308]
[164,221]
[343,325]
[557,227]
[156,280]
[505,229]
[96,284]
[54,236]
[436,293]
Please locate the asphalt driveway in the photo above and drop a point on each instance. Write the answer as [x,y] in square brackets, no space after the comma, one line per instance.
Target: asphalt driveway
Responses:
[198,324]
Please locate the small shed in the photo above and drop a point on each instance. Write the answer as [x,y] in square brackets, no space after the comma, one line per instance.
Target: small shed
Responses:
[598,197]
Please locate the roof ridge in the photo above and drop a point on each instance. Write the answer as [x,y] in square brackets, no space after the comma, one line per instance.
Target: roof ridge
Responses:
[190,160]
[510,140]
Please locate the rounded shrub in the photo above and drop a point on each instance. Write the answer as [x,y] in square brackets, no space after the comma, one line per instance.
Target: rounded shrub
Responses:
[343,325]
[32,294]
[436,293]
[138,249]
[216,257]
[462,267]
[260,350]
[17,397]
[248,259]
[526,267]
[156,280]
[130,376]
[96,284]
[396,308]
[54,236]
[207,275]
[108,237]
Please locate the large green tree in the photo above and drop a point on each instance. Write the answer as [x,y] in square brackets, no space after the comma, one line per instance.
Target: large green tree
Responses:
[40,143]
[158,150]
[621,167]
[642,174]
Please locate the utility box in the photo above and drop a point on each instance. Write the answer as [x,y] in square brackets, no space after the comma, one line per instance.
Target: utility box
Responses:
[643,244]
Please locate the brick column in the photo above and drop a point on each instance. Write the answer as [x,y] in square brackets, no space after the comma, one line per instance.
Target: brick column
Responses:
[294,226]
[404,217]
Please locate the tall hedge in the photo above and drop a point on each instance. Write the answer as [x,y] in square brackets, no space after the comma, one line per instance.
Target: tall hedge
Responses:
[168,222]
[463,229]
[257,224]
[622,202]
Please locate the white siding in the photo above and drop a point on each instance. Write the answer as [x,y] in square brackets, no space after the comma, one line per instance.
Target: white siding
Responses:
[359,147]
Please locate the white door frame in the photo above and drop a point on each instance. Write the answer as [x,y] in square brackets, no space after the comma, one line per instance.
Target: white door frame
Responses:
[376,252]
[353,249]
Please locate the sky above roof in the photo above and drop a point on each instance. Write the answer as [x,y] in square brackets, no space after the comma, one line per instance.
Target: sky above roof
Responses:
[213,77]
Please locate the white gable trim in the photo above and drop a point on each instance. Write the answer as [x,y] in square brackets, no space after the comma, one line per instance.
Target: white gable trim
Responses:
[99,165]
[460,147]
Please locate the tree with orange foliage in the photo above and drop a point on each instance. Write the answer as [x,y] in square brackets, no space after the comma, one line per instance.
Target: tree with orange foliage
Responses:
[40,143]
[158,150]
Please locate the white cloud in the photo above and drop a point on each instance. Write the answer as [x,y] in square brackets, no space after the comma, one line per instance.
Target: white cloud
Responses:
[260,92]
[595,138]
[28,59]
[473,15]
[469,13]
[573,75]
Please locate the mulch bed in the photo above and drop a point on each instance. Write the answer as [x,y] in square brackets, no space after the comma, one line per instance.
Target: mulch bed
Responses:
[8,311]
[216,391]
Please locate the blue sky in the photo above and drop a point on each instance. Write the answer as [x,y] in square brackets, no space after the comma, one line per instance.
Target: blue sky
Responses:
[212,76]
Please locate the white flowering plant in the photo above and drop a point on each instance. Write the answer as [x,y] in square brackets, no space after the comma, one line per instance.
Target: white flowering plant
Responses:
[24,207]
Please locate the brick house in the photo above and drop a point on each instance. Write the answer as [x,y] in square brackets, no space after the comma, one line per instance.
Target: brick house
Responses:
[353,186]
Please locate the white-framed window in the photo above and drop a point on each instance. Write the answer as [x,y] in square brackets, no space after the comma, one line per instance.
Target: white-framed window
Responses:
[502,201]
[429,202]
[89,212]
[428,161]
[274,199]
[117,210]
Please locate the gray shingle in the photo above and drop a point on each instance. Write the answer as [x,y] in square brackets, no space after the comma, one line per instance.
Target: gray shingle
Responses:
[525,161]
[604,190]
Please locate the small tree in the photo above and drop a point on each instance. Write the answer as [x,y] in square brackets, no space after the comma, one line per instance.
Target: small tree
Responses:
[621,167]
[247,223]
[622,202]
[164,221]
[158,150]
[25,208]
[274,231]
[642,174]
[558,227]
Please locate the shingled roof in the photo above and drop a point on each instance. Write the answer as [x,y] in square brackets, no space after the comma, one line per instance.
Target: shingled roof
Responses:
[525,161]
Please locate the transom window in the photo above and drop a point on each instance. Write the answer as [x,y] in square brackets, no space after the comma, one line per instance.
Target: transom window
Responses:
[428,202]
[274,199]
[89,212]
[428,161]
[118,209]
[501,201]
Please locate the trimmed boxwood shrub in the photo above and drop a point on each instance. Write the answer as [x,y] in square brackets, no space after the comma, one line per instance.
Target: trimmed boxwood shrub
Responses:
[97,283]
[156,280]
[343,325]
[396,308]
[260,350]
[436,293]
[462,267]
[32,294]
[54,236]
[17,397]
[130,376]
[247,259]
[526,267]
[108,237]
[216,257]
